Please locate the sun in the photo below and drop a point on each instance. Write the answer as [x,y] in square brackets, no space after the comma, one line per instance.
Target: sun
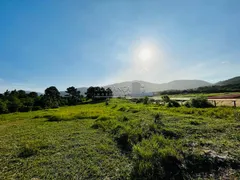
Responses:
[145,54]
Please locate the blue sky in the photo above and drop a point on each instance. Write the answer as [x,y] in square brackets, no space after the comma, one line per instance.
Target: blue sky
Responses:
[98,42]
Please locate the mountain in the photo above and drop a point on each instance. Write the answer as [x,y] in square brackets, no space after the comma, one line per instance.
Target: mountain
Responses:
[153,87]
[82,90]
[39,93]
[232,81]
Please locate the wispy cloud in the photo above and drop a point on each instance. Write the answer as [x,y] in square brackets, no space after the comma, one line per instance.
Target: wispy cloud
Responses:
[225,62]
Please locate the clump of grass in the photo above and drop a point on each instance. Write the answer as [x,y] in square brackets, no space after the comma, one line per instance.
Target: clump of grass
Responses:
[158,119]
[57,118]
[27,151]
[104,118]
[171,133]
[86,116]
[194,123]
[122,109]
[133,110]
[123,118]
[157,158]
[114,106]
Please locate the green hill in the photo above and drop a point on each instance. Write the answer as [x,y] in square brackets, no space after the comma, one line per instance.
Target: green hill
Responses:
[235,80]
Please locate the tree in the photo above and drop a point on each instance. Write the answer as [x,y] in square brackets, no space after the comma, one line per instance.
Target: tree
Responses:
[51,97]
[13,93]
[14,104]
[6,93]
[27,104]
[102,92]
[97,91]
[73,95]
[21,94]
[3,107]
[109,92]
[90,93]
[33,95]
[1,96]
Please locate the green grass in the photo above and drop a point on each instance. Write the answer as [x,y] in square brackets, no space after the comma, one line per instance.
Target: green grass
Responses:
[122,140]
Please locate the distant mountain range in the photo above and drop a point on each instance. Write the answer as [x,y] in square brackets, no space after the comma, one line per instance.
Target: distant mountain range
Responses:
[154,87]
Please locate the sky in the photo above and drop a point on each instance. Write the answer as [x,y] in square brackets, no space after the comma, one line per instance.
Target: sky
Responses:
[98,42]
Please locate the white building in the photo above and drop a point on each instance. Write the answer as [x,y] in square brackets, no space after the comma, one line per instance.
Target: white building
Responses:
[136,88]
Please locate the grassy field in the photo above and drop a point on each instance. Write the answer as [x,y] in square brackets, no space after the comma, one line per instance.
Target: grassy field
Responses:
[122,140]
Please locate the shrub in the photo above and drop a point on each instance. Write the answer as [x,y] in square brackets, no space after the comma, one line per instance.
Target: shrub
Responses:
[172,103]
[187,104]
[25,109]
[201,102]
[36,108]
[165,99]
[139,100]
[145,100]
[107,102]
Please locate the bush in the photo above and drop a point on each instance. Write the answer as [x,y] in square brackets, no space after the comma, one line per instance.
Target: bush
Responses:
[165,99]
[187,104]
[36,108]
[25,109]
[145,100]
[172,103]
[201,102]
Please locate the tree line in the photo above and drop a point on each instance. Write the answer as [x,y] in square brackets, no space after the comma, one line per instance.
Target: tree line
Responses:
[21,101]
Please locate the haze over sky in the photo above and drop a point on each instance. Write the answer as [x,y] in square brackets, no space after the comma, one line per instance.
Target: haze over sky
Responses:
[98,42]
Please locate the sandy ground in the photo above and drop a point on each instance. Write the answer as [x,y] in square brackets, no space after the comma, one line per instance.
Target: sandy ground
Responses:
[226,102]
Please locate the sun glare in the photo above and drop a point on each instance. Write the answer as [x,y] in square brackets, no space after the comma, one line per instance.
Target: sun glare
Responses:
[145,54]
